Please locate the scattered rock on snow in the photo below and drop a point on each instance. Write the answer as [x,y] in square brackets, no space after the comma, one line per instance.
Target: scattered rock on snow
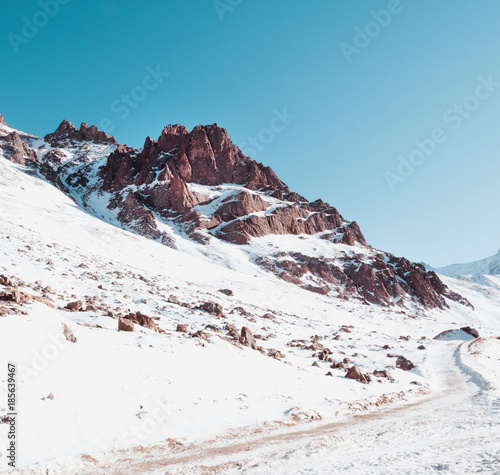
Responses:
[212,308]
[68,334]
[404,364]
[173,299]
[125,325]
[247,339]
[74,305]
[182,327]
[227,292]
[354,372]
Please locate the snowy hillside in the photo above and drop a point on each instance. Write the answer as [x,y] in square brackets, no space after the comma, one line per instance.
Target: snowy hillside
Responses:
[488,266]
[227,367]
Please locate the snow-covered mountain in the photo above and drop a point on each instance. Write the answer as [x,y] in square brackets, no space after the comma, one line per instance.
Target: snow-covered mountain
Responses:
[198,187]
[149,342]
[488,266]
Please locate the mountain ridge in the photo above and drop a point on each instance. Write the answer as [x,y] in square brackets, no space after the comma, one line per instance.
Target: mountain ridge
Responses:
[198,185]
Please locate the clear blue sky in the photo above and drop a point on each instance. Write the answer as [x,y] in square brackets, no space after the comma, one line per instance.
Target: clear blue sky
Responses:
[235,65]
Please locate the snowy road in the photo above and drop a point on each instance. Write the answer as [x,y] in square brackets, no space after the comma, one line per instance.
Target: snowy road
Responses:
[456,430]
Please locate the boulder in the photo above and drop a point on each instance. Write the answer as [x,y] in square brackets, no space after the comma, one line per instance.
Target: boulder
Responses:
[227,292]
[74,305]
[182,327]
[212,308]
[354,372]
[68,334]
[404,364]
[125,325]
[247,339]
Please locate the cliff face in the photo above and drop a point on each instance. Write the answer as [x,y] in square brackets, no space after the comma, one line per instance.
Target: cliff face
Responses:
[199,185]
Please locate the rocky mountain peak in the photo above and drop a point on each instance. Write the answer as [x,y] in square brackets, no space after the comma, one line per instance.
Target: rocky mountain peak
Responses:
[67,132]
[2,120]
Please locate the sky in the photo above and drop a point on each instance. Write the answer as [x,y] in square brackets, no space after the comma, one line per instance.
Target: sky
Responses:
[388,110]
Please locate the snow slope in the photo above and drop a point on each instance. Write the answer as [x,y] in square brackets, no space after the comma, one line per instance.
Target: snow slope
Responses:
[488,266]
[115,390]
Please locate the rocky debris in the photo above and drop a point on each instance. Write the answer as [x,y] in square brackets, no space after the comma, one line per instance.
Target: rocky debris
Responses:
[16,150]
[212,308]
[268,316]
[315,364]
[382,373]
[406,338]
[142,320]
[227,292]
[2,120]
[247,339]
[354,372]
[404,364]
[232,332]
[14,296]
[182,328]
[50,396]
[67,132]
[377,279]
[125,325]
[470,331]
[68,334]
[276,354]
[75,306]
[421,347]
[173,299]
[6,281]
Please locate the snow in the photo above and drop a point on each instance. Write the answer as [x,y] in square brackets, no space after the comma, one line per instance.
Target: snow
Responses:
[115,390]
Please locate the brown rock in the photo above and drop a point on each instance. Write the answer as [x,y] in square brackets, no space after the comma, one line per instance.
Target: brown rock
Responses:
[404,364]
[68,334]
[74,305]
[355,373]
[212,308]
[125,325]
[182,327]
[247,339]
[227,292]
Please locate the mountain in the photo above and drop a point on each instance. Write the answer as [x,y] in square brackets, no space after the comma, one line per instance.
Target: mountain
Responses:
[488,266]
[186,353]
[198,187]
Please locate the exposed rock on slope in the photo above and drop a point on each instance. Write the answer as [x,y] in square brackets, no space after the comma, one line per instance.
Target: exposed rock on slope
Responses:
[67,132]
[199,185]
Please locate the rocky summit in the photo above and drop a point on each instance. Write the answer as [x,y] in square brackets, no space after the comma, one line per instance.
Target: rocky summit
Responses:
[197,186]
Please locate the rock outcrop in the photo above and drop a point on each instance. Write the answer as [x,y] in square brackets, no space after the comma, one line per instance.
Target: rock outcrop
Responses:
[67,132]
[16,150]
[200,185]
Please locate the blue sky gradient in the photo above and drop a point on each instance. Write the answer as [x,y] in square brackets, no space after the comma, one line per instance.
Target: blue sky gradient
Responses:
[360,83]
